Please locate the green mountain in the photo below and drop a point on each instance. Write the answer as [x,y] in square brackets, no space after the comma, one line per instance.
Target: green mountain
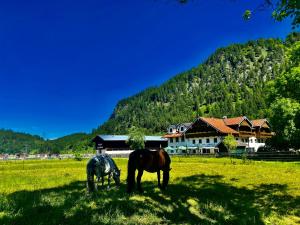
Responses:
[73,142]
[231,82]
[14,142]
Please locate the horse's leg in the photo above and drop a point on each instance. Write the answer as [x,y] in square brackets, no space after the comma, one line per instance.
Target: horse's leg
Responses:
[90,182]
[158,178]
[109,177]
[166,176]
[102,181]
[138,180]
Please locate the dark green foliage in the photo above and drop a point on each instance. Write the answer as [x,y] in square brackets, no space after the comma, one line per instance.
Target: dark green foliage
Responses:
[136,138]
[284,100]
[78,142]
[231,82]
[16,142]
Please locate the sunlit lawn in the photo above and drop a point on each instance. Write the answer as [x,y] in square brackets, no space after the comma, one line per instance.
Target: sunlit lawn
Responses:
[201,191]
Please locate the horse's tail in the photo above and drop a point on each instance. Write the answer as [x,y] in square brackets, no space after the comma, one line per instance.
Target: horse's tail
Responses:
[166,170]
[90,175]
[131,167]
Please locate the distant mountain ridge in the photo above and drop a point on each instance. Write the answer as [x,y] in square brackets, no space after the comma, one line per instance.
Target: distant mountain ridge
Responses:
[12,142]
[231,82]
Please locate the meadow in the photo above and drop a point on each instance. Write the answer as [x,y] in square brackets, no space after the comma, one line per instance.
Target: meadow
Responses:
[201,191]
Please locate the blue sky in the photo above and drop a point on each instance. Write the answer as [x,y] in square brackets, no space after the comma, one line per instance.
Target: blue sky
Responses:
[65,64]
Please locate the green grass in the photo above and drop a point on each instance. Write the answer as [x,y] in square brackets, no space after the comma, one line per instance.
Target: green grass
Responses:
[201,191]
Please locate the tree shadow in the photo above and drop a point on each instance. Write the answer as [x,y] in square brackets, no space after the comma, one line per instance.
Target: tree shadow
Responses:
[198,199]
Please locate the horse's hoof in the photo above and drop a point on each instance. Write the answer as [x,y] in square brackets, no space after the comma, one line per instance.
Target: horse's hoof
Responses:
[162,188]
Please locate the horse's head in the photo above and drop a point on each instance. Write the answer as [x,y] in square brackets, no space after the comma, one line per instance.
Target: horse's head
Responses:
[116,176]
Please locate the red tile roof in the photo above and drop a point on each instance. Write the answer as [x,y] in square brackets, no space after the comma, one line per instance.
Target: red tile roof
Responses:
[234,120]
[219,124]
[258,122]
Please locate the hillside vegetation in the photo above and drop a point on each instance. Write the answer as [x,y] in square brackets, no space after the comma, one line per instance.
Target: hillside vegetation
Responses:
[230,82]
[14,142]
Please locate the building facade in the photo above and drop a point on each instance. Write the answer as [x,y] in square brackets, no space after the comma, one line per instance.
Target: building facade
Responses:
[205,135]
[119,142]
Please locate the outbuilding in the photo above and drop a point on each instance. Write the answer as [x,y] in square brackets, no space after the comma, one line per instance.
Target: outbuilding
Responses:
[119,142]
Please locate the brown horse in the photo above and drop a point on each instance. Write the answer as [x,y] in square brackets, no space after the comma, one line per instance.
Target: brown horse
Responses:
[151,161]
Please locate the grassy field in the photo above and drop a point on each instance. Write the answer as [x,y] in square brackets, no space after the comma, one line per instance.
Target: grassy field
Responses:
[201,191]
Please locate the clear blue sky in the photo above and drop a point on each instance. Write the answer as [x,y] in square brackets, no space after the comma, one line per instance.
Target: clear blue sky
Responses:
[65,64]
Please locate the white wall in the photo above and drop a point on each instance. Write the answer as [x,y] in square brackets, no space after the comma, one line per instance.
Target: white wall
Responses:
[255,144]
[189,142]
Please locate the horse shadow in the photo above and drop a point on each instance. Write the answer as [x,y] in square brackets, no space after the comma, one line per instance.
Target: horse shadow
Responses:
[197,199]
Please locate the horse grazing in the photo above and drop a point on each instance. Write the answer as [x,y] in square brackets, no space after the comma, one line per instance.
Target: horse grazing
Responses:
[151,161]
[101,165]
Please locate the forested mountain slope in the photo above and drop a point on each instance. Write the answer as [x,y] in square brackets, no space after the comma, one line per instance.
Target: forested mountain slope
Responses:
[14,142]
[230,82]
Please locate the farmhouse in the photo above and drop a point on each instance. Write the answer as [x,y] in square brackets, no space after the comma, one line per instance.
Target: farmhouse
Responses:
[119,142]
[205,135]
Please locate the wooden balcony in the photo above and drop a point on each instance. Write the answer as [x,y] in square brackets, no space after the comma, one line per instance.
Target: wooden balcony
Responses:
[265,134]
[201,134]
[246,134]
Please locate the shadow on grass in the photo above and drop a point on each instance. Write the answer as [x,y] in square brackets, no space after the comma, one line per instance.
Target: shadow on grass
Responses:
[198,199]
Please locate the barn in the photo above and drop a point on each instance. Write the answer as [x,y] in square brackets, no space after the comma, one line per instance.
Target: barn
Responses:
[119,142]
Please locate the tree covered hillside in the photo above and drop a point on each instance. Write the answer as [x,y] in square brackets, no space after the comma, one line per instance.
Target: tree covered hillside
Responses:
[230,82]
[15,142]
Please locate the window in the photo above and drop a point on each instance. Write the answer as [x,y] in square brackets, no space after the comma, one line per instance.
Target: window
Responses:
[182,139]
[251,141]
[181,128]
[171,140]
[255,140]
[177,139]
[170,130]
[215,140]
[194,141]
[200,141]
[206,151]
[237,139]
[207,140]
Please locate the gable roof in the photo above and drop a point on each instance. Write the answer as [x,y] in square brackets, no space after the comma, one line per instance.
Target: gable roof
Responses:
[259,122]
[219,125]
[234,120]
[186,124]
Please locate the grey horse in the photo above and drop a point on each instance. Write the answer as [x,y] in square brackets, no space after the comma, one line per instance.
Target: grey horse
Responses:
[101,166]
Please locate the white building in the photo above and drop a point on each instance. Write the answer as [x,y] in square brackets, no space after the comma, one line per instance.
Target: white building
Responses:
[205,135]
